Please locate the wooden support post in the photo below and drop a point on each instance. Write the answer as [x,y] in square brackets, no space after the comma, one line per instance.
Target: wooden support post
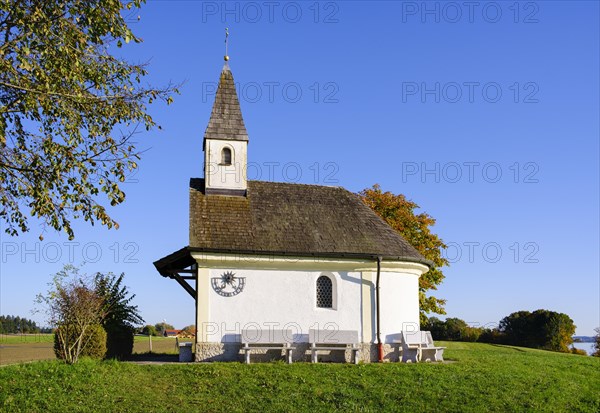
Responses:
[184,284]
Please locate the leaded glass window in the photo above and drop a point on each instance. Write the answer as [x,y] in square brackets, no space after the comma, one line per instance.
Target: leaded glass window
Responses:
[324,292]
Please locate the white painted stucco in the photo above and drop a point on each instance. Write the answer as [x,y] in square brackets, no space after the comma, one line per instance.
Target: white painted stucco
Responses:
[283,299]
[399,305]
[281,293]
[220,176]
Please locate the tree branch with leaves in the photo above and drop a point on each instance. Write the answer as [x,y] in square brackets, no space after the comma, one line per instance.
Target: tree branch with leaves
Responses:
[68,111]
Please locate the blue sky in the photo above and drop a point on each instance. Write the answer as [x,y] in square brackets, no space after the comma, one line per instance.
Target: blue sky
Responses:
[487,117]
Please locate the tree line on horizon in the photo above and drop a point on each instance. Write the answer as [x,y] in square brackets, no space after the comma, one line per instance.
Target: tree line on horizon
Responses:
[540,329]
[10,324]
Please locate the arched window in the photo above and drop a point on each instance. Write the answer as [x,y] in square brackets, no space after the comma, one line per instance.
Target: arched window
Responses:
[226,156]
[324,292]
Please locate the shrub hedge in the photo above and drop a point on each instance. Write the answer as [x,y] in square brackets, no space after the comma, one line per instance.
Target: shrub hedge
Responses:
[94,341]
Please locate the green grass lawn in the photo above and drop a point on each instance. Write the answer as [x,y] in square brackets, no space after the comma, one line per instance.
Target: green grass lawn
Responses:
[481,378]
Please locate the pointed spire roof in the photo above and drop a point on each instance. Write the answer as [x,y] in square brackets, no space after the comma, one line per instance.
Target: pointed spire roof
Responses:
[226,120]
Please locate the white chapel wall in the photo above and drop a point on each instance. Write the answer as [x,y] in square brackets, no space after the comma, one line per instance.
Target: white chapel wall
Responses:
[399,305]
[276,299]
[279,299]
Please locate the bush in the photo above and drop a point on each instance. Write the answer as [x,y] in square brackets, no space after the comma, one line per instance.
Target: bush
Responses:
[492,336]
[119,342]
[471,334]
[436,327]
[93,343]
[453,329]
[121,315]
[578,351]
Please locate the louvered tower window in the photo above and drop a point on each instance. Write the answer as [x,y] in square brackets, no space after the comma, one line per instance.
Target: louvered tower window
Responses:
[324,292]
[226,156]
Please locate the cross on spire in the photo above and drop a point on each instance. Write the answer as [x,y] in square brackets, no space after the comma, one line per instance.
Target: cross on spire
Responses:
[226,43]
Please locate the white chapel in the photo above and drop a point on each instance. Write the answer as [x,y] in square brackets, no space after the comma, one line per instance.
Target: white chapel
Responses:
[269,255]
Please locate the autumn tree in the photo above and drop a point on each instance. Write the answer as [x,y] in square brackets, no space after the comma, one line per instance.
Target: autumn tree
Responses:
[68,110]
[400,213]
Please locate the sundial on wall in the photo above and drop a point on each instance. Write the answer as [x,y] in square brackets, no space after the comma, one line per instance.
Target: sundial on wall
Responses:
[228,285]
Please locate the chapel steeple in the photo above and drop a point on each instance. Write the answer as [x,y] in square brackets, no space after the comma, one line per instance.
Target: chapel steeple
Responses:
[226,141]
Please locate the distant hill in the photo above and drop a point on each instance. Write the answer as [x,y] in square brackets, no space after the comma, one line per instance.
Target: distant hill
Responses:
[584,339]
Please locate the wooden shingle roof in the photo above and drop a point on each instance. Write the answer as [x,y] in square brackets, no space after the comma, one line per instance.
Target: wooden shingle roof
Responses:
[226,120]
[292,219]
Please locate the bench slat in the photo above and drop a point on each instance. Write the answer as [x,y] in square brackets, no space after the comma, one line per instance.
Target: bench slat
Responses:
[334,348]
[270,336]
[268,348]
[333,336]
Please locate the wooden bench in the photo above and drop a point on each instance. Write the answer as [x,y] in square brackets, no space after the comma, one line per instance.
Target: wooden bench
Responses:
[267,340]
[332,340]
[418,346]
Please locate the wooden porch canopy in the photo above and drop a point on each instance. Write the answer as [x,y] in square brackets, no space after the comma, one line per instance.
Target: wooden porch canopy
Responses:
[181,267]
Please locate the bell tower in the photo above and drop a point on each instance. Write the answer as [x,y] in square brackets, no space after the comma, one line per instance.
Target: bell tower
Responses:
[226,140]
